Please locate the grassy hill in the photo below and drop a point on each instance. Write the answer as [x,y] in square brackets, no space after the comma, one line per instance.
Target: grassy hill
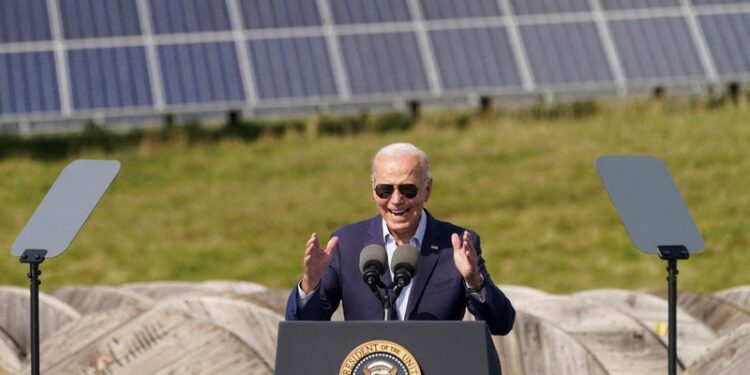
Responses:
[526,183]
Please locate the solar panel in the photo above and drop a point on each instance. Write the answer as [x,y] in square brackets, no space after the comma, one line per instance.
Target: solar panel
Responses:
[23,21]
[109,78]
[469,58]
[369,11]
[635,4]
[28,83]
[292,68]
[292,53]
[526,7]
[200,73]
[383,63]
[445,9]
[656,48]
[99,18]
[716,2]
[727,37]
[188,16]
[264,14]
[565,53]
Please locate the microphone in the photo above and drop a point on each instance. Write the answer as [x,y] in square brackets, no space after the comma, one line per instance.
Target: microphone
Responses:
[404,265]
[372,261]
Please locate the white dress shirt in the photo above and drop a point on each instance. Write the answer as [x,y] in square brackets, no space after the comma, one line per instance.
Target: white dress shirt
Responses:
[390,247]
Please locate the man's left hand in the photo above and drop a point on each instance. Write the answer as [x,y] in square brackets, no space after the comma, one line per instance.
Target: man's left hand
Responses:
[466,259]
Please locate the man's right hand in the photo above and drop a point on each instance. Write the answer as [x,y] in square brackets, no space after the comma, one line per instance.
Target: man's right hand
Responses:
[316,261]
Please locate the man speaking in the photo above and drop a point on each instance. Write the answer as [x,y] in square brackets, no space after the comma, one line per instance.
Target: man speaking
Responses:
[450,275]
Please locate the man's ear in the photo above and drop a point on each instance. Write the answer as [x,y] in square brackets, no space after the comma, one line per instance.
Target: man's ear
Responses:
[428,189]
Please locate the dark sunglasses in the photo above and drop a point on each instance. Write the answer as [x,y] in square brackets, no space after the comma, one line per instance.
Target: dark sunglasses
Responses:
[386,190]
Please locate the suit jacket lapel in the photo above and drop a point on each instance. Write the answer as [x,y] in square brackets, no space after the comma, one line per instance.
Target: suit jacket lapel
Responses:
[375,231]
[430,253]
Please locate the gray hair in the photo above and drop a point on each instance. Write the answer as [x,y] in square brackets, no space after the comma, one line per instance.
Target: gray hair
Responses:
[400,149]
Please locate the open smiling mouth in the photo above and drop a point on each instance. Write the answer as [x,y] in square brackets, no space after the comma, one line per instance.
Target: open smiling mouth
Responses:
[399,212]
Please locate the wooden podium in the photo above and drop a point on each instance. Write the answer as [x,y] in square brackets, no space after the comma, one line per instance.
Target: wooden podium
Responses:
[430,347]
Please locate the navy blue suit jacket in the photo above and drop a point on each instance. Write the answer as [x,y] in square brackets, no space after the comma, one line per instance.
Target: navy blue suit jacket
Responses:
[437,293]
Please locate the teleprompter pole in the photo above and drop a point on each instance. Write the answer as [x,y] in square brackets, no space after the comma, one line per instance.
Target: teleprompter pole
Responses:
[671,253]
[34,257]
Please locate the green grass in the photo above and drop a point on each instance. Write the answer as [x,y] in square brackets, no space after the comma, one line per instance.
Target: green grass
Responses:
[525,183]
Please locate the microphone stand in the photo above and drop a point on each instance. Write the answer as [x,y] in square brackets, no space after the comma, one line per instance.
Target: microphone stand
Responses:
[387,306]
[387,299]
[375,286]
[390,299]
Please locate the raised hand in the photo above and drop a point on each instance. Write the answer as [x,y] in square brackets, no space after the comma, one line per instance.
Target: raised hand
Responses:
[316,261]
[465,258]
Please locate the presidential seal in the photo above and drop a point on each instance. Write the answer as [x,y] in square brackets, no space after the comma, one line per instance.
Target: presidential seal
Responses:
[380,357]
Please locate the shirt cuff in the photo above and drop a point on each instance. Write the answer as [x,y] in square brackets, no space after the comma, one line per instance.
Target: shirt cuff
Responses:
[303,297]
[480,296]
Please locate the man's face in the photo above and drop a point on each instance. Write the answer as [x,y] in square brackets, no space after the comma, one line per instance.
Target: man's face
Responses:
[400,212]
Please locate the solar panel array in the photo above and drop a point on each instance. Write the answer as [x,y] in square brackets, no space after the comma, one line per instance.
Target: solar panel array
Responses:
[77,58]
